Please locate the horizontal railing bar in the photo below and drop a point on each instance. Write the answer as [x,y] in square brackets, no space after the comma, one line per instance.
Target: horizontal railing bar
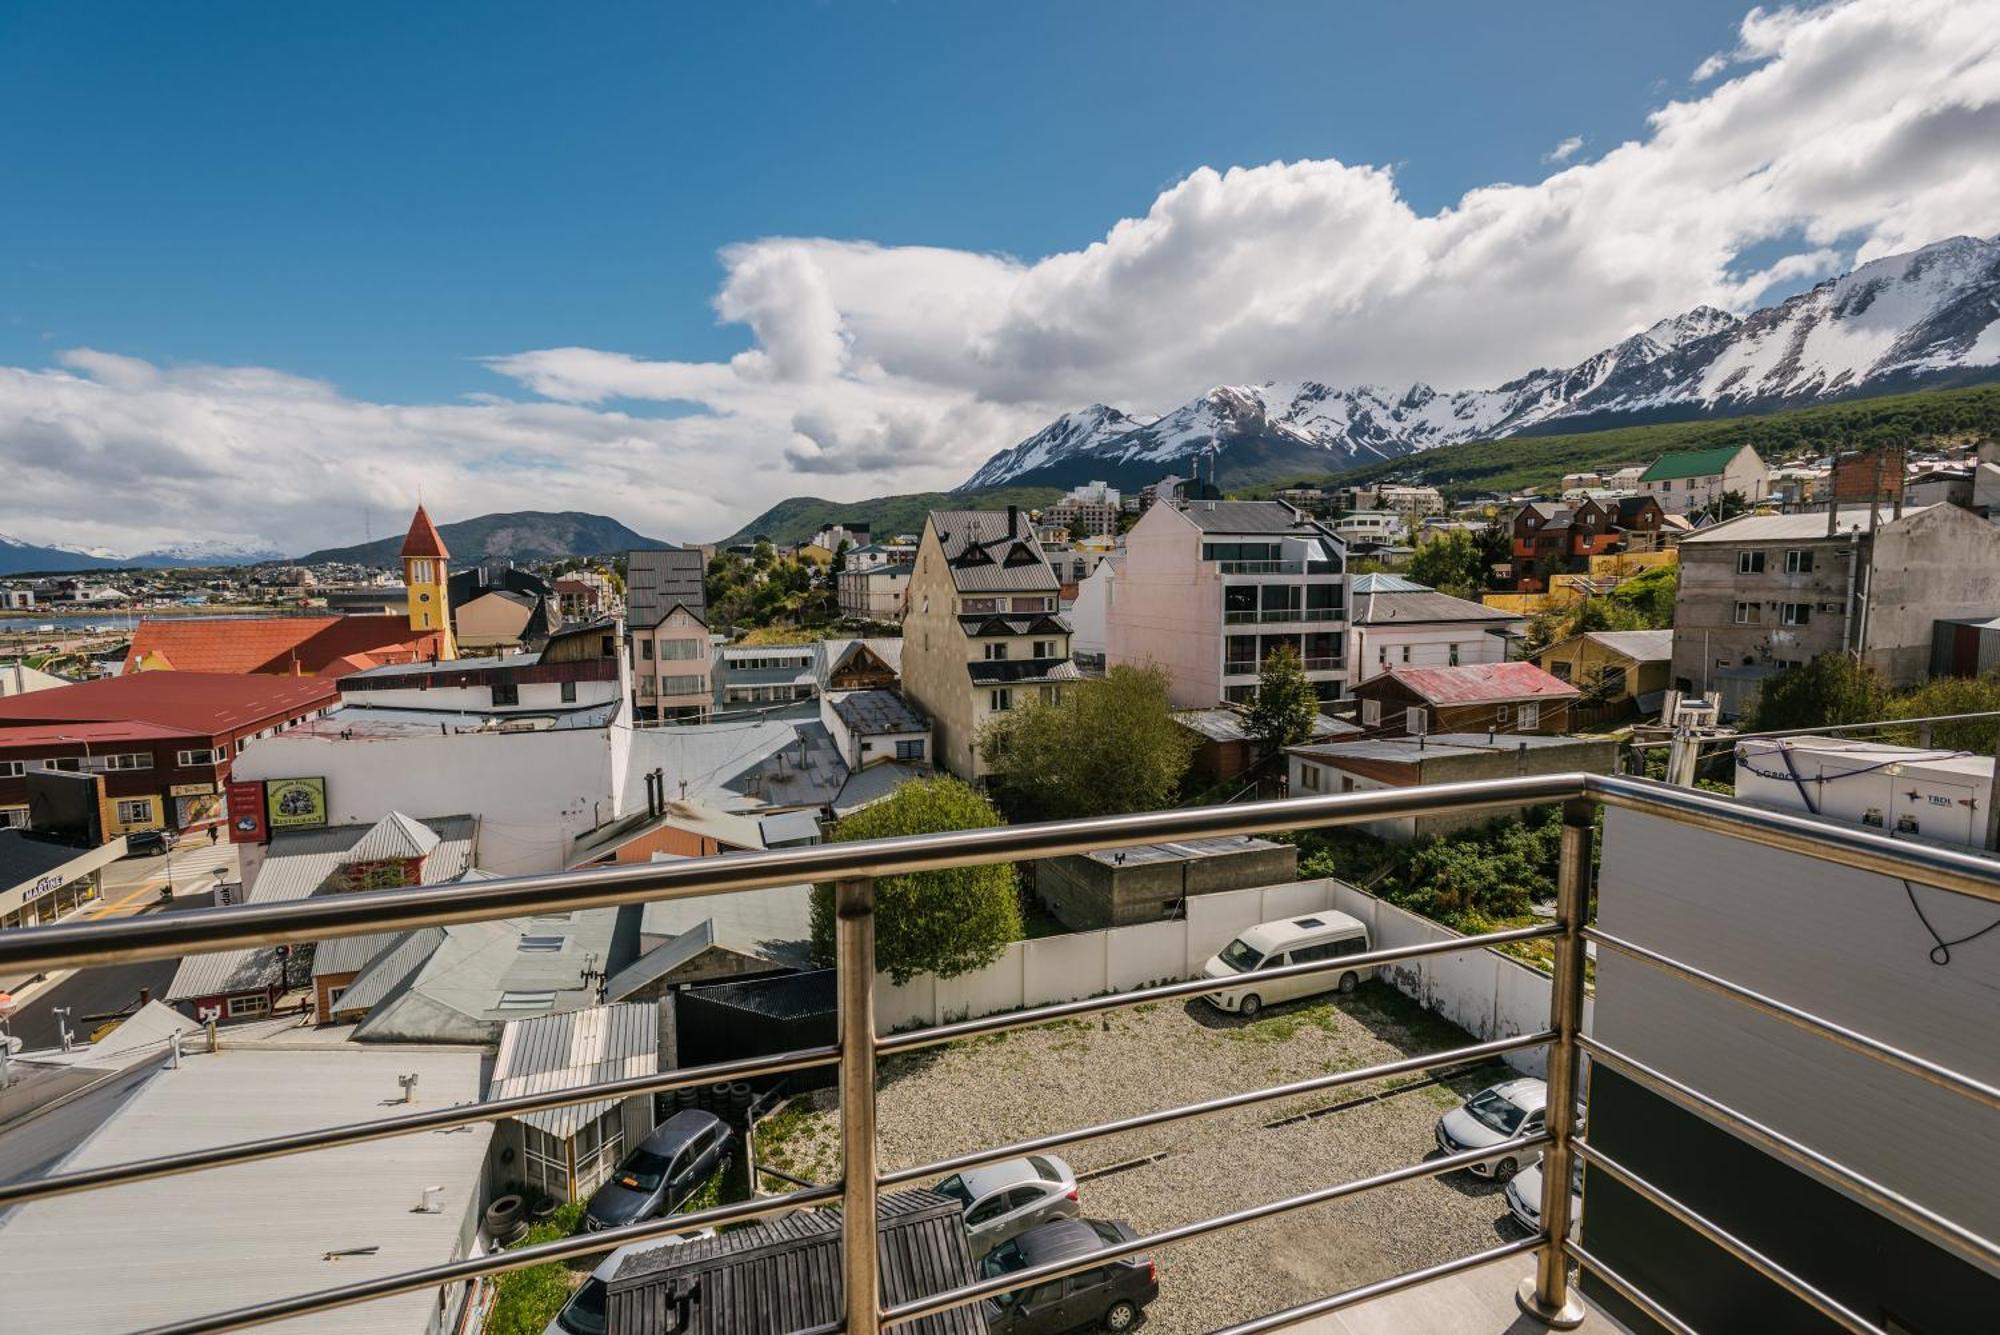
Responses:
[1873,725]
[1475,1052]
[1197,987]
[1626,1289]
[435,1119]
[1825,1304]
[360,912]
[1874,1048]
[1018,1279]
[1960,873]
[1381,1288]
[1955,1237]
[472,1267]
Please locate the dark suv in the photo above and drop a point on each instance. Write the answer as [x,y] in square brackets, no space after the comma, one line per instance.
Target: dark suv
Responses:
[1109,1296]
[668,1167]
[149,842]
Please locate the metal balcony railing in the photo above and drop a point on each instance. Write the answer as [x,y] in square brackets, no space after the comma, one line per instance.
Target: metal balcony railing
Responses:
[1275,615]
[852,867]
[1263,567]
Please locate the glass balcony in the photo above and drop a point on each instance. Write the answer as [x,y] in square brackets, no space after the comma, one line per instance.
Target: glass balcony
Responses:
[1263,567]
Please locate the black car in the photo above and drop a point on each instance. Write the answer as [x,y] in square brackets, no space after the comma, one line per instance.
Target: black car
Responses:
[149,841]
[1110,1296]
[668,1167]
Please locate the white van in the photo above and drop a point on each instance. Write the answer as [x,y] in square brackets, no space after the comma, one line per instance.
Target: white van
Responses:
[1269,945]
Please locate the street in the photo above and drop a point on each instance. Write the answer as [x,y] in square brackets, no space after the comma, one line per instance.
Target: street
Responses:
[131,886]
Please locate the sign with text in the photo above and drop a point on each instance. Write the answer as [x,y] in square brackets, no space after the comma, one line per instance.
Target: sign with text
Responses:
[294,804]
[191,790]
[246,812]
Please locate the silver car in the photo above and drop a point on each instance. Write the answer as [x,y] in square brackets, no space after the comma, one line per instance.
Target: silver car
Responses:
[1004,1199]
[1509,1109]
[1524,1195]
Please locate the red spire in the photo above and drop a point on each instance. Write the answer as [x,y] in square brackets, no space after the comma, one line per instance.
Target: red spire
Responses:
[424,539]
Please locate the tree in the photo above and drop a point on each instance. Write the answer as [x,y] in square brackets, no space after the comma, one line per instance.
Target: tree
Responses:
[1953,695]
[1829,690]
[1285,708]
[945,922]
[1650,594]
[1100,748]
[840,557]
[1452,563]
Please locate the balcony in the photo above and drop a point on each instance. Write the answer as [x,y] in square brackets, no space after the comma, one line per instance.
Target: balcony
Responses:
[1325,664]
[1263,567]
[1275,616]
[1546,1294]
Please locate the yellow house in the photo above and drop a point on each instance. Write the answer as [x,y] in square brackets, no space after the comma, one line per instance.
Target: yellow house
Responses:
[1612,667]
[813,552]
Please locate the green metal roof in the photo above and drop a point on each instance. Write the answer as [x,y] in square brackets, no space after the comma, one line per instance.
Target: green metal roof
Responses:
[1691,463]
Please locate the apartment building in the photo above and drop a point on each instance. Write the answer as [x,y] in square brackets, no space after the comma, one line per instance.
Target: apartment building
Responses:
[667,618]
[1209,592]
[873,592]
[1772,591]
[1090,511]
[982,630]
[1696,479]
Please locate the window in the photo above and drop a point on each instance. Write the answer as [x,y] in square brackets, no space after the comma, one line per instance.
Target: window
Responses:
[1500,713]
[1406,653]
[1309,778]
[598,1145]
[910,750]
[683,686]
[12,769]
[1353,945]
[545,1162]
[1002,699]
[1559,670]
[66,764]
[569,692]
[420,571]
[13,818]
[646,650]
[989,1209]
[1382,655]
[1371,713]
[1795,614]
[1034,605]
[540,943]
[673,650]
[506,693]
[996,653]
[129,760]
[1613,682]
[135,811]
[208,756]
[1313,954]
[1452,654]
[1748,614]
[1415,721]
[1749,563]
[257,1004]
[1799,562]
[975,606]
[1531,716]
[1045,648]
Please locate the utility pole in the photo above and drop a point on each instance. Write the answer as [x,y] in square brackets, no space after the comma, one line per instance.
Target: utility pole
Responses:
[1993,801]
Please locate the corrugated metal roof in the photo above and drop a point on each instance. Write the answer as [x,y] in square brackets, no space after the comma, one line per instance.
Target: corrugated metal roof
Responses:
[1793,528]
[1692,463]
[388,967]
[1248,517]
[874,712]
[1380,583]
[1476,683]
[789,827]
[394,836]
[784,1274]
[581,1047]
[1641,646]
[274,1221]
[1424,607]
[1022,671]
[1228,725]
[866,787]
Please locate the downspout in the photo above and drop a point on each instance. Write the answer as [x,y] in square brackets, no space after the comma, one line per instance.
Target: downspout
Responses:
[1847,608]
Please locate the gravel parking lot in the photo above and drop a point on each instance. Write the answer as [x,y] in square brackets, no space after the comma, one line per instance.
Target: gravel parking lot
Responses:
[1072,1073]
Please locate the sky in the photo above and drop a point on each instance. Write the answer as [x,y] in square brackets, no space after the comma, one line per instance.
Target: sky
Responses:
[269,272]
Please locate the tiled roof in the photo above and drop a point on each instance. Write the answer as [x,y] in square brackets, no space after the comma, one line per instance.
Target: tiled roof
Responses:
[205,644]
[195,702]
[658,581]
[423,539]
[371,638]
[1247,517]
[1477,683]
[985,556]
[1022,671]
[1691,463]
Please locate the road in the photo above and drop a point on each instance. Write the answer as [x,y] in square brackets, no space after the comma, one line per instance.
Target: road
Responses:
[131,886]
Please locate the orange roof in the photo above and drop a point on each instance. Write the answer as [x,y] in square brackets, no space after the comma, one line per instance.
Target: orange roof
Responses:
[206,644]
[423,538]
[381,637]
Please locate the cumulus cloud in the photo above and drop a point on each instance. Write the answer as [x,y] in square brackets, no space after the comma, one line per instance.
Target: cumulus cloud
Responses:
[1564,151]
[1842,133]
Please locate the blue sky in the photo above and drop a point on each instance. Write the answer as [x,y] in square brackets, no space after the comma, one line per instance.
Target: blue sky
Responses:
[375,194]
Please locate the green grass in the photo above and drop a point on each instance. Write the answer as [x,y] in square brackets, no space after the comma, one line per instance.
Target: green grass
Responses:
[1520,463]
[526,1300]
[1282,1026]
[1037,921]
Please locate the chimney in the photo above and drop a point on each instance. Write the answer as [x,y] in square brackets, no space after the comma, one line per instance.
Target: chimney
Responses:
[1013,520]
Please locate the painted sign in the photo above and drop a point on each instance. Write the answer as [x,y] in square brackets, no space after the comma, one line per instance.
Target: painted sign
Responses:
[48,885]
[294,804]
[191,790]
[246,813]
[198,809]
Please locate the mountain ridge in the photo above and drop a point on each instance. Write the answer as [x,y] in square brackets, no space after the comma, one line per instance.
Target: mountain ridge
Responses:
[532,535]
[1927,316]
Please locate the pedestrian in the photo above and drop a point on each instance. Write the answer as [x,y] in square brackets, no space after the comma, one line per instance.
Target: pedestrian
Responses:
[214,833]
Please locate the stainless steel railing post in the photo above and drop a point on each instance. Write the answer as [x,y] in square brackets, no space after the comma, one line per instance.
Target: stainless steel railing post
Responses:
[854,948]
[1545,1295]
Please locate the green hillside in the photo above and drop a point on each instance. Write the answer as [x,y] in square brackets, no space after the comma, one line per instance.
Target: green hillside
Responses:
[797,519]
[529,535]
[1522,463]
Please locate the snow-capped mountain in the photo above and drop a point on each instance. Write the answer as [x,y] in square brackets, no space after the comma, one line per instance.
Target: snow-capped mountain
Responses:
[1929,316]
[17,556]
[210,552]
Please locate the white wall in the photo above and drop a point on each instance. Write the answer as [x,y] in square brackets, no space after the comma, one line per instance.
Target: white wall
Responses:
[1165,608]
[1429,645]
[534,792]
[1481,991]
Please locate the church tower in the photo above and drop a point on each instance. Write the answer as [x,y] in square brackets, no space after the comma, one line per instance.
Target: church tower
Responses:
[426,575]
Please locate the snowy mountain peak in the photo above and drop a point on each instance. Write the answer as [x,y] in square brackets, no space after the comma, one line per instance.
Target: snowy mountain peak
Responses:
[1894,323]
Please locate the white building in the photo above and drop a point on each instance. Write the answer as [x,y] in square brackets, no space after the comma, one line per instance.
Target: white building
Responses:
[869,727]
[1696,479]
[1370,526]
[1208,593]
[1399,623]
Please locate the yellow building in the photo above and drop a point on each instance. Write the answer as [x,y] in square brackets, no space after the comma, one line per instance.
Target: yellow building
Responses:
[426,577]
[1613,668]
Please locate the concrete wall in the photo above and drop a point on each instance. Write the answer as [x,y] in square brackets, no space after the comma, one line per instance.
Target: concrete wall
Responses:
[1706,633]
[1937,565]
[1088,895]
[1379,648]
[935,654]
[1165,608]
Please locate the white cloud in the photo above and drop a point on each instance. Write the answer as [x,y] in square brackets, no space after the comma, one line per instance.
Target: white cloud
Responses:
[1564,151]
[1843,132]
[1712,66]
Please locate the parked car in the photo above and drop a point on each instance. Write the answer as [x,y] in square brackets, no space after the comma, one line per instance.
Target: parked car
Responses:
[150,842]
[668,1167]
[584,1313]
[1110,1296]
[1270,945]
[1524,1194]
[1004,1199]
[1502,1112]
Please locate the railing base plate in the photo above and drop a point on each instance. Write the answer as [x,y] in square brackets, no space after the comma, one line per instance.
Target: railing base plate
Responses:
[1567,1317]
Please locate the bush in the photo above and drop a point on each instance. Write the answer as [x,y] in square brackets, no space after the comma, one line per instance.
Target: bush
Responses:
[1104,748]
[526,1300]
[1829,690]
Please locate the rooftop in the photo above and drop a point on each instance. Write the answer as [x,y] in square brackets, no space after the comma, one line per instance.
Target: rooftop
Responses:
[1476,683]
[1414,750]
[1416,605]
[1180,850]
[658,581]
[423,539]
[1691,463]
[1248,517]
[992,551]
[565,1051]
[873,712]
[279,1222]
[1795,527]
[200,703]
[1229,725]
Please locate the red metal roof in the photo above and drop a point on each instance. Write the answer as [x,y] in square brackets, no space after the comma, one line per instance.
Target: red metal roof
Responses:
[380,638]
[46,734]
[423,538]
[1480,683]
[207,644]
[209,703]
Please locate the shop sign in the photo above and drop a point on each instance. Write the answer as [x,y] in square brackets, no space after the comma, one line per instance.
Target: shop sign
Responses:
[246,812]
[191,790]
[295,804]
